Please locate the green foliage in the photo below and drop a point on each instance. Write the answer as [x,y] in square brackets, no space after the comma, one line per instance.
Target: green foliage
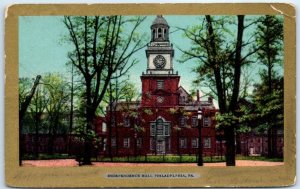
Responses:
[226,120]
[263,110]
[269,38]
[148,111]
[269,107]
[84,134]
[25,85]
[49,107]
[58,97]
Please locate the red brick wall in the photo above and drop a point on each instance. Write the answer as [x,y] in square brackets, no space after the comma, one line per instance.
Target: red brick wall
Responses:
[150,92]
[188,132]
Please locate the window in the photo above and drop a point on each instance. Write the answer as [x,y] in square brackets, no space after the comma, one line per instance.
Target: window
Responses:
[167,132]
[162,129]
[195,142]
[258,150]
[194,121]
[113,121]
[159,32]
[183,143]
[207,143]
[104,127]
[113,142]
[206,122]
[152,129]
[126,122]
[182,121]
[139,142]
[126,142]
[153,34]
[104,144]
[160,84]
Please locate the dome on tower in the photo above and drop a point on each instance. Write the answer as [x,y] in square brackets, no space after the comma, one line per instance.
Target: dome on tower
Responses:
[159,20]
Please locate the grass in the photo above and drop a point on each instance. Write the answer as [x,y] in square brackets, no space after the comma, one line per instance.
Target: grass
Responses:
[162,159]
[258,158]
[47,156]
[154,159]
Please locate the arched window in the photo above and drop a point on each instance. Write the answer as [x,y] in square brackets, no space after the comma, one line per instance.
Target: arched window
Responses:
[165,34]
[159,33]
[153,34]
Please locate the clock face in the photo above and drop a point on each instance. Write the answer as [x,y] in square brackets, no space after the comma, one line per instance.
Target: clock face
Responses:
[159,61]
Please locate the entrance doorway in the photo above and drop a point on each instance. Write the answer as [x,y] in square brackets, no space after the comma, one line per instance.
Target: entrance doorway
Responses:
[160,130]
[161,147]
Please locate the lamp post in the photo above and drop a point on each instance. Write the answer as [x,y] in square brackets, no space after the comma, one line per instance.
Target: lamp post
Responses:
[200,159]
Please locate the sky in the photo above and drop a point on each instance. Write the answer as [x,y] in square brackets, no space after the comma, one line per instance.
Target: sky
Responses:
[42,48]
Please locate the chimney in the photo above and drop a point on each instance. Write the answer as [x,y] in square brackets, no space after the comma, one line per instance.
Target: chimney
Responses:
[198,96]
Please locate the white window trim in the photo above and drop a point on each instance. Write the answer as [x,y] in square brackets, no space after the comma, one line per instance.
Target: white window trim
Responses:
[184,142]
[197,142]
[209,143]
[208,119]
[126,143]
[193,119]
[161,86]
[184,121]
[104,127]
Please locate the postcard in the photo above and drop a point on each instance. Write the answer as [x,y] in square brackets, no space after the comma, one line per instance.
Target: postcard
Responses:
[150,95]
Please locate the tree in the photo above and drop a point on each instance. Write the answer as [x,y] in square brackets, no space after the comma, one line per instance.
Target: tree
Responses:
[25,96]
[57,107]
[269,109]
[37,109]
[102,46]
[270,41]
[221,53]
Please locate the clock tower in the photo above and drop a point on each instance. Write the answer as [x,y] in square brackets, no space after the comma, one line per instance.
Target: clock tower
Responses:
[160,82]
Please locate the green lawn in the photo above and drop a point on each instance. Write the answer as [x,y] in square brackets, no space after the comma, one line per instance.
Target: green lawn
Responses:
[161,159]
[258,158]
[47,156]
[155,159]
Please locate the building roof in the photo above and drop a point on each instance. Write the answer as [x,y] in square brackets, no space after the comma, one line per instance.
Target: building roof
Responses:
[159,20]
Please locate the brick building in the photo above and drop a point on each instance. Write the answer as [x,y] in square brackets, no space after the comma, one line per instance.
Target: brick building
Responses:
[165,120]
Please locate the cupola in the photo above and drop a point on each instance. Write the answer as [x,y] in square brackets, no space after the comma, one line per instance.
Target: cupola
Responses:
[160,29]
